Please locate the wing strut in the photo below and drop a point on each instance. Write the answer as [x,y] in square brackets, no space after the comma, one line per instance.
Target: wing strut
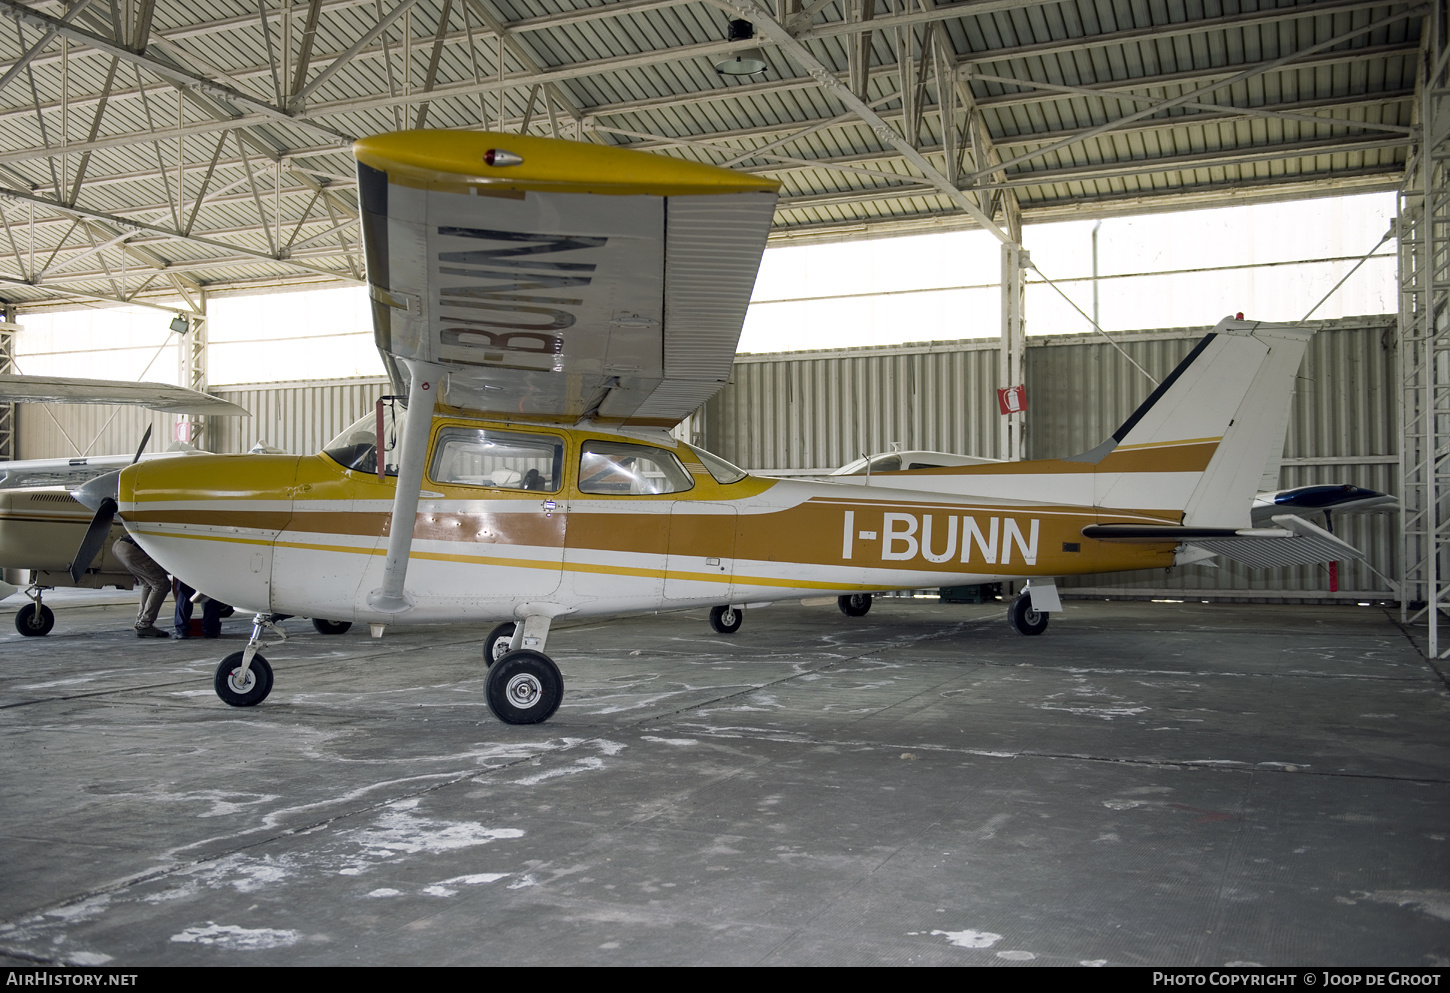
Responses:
[422,397]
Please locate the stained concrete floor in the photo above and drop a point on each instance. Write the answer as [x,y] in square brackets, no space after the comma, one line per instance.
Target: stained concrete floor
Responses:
[1145,784]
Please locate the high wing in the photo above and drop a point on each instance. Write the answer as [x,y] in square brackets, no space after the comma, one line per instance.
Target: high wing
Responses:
[559,280]
[157,396]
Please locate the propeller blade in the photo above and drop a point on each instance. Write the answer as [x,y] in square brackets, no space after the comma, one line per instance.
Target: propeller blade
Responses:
[96,534]
[144,439]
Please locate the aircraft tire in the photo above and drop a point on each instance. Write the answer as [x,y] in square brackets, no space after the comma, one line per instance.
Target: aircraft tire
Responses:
[726,620]
[855,605]
[330,627]
[496,645]
[34,620]
[253,691]
[1023,618]
[524,687]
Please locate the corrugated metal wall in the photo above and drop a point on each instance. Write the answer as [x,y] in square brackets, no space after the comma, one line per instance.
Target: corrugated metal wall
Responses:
[817,410]
[295,417]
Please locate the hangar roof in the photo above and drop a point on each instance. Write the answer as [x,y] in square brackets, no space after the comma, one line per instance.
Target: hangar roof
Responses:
[153,148]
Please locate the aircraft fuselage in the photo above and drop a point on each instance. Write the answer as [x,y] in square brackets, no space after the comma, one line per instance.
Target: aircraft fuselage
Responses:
[611,523]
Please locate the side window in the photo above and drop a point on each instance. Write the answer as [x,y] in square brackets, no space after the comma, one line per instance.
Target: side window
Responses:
[614,468]
[502,459]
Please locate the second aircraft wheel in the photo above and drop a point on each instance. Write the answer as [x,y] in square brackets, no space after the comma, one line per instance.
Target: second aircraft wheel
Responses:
[855,605]
[1023,618]
[34,620]
[496,645]
[726,620]
[247,691]
[330,627]
[524,687]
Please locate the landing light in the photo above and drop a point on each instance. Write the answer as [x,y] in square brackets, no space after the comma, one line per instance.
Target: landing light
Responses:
[501,157]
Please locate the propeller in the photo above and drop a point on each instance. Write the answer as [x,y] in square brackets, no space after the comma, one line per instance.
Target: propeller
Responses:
[99,494]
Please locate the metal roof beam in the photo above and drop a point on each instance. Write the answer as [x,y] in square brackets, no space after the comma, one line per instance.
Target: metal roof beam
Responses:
[181,77]
[884,132]
[1179,163]
[1122,94]
[1248,73]
[125,223]
[1108,90]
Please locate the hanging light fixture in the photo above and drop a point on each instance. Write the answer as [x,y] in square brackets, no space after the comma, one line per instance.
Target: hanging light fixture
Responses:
[742,61]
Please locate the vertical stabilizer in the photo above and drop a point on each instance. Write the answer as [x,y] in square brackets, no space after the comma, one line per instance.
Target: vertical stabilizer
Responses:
[1232,393]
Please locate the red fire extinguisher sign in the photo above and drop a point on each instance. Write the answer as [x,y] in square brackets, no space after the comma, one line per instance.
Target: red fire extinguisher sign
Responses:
[1012,399]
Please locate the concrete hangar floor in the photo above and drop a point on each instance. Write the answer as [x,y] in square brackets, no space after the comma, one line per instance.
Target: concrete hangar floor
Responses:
[1144,784]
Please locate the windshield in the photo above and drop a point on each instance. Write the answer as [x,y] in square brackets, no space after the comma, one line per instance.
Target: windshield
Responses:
[356,447]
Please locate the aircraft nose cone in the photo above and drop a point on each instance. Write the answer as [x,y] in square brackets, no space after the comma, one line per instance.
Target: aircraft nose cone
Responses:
[93,493]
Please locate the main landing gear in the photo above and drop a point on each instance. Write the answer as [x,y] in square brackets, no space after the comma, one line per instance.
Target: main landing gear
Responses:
[855,605]
[726,620]
[245,678]
[1023,618]
[523,685]
[35,619]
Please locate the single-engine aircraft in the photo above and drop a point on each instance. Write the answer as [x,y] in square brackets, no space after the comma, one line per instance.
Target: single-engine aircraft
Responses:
[41,524]
[551,309]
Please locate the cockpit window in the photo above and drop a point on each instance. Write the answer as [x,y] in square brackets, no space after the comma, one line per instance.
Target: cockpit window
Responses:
[356,447]
[617,468]
[723,471]
[502,459]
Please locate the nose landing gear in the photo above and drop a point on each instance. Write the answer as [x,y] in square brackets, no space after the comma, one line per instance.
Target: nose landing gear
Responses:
[34,620]
[245,678]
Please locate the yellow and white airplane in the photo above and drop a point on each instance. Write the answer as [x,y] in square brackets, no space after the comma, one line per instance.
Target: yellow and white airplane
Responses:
[551,310]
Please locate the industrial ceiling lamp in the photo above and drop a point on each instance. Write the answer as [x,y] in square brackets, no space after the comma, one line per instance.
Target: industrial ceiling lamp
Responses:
[179,324]
[743,61]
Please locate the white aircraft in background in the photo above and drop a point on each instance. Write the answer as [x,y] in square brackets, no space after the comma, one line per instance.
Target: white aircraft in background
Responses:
[552,309]
[41,524]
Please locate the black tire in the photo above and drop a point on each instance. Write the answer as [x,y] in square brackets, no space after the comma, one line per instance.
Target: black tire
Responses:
[496,645]
[855,605]
[256,688]
[1023,618]
[726,620]
[524,687]
[34,620]
[330,627]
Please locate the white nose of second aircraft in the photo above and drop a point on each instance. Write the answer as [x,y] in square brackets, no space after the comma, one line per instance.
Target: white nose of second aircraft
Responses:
[96,491]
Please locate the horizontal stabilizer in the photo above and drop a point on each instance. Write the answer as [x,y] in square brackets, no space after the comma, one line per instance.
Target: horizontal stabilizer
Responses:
[1294,542]
[158,396]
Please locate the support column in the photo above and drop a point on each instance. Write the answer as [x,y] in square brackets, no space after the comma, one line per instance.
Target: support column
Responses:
[9,430]
[1011,367]
[194,373]
[1423,230]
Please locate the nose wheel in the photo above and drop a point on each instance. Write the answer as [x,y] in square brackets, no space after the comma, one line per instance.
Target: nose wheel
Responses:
[524,687]
[245,678]
[243,689]
[34,620]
